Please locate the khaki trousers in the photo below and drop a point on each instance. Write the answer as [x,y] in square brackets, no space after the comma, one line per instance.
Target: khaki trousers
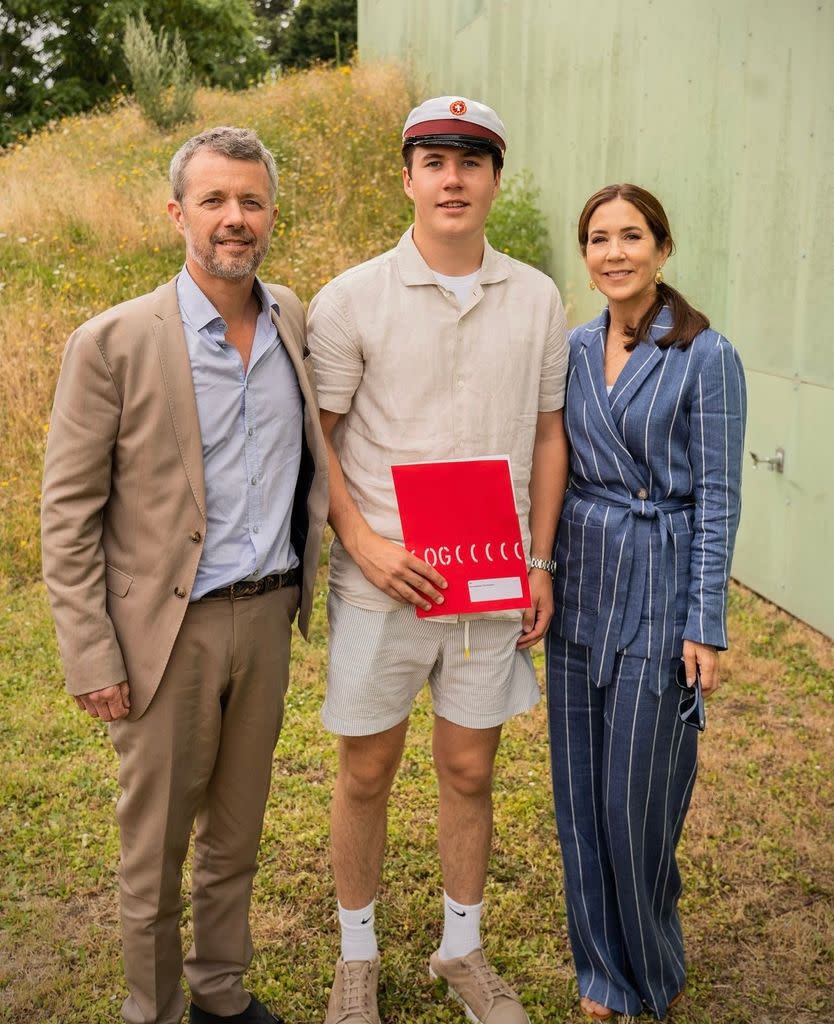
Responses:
[201,752]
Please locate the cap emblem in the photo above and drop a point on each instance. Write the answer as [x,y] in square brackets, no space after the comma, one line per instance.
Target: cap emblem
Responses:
[457,107]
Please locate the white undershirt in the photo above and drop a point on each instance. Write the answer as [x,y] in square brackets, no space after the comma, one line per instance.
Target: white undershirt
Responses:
[462,287]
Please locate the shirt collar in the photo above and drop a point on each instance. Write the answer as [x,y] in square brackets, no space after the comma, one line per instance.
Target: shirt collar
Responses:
[198,309]
[414,269]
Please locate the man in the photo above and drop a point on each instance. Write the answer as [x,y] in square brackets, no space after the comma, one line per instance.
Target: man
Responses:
[441,348]
[183,504]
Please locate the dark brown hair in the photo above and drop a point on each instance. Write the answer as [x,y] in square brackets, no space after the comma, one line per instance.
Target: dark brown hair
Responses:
[686,320]
[408,157]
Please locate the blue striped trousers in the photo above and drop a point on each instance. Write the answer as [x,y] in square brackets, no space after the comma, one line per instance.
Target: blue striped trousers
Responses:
[623,770]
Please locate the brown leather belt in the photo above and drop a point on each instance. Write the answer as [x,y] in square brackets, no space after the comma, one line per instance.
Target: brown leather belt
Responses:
[251,588]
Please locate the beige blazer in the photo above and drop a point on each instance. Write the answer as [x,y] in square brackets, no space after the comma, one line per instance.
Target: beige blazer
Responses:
[124,506]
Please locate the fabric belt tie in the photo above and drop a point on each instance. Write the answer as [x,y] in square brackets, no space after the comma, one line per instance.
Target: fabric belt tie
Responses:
[624,585]
[251,588]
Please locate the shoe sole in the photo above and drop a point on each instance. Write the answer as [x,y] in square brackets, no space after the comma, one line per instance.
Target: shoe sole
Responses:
[456,997]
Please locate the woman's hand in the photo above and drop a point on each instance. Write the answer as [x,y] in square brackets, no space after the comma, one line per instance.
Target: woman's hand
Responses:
[706,658]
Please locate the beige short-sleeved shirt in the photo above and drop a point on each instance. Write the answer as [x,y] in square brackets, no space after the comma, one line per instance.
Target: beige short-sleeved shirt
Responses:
[418,378]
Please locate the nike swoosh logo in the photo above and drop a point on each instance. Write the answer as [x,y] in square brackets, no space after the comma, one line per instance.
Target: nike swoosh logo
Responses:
[460,913]
[364,920]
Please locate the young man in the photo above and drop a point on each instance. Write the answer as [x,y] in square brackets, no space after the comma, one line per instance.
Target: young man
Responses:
[441,348]
[184,498]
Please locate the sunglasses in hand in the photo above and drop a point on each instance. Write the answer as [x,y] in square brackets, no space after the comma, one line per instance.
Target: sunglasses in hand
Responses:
[691,710]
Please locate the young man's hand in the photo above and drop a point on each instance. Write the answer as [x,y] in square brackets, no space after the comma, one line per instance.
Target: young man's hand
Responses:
[537,618]
[398,573]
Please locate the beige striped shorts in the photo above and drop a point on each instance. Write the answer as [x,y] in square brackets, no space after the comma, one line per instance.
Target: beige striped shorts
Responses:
[379,661]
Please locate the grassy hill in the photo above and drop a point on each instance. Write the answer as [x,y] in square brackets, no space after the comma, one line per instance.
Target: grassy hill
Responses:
[82,226]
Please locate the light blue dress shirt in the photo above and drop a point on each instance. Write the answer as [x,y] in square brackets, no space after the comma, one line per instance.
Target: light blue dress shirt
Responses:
[251,429]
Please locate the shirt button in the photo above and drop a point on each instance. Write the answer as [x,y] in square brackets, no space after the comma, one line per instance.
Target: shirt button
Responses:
[179,591]
[642,494]
[250,431]
[256,529]
[460,383]
[254,479]
[257,572]
[196,536]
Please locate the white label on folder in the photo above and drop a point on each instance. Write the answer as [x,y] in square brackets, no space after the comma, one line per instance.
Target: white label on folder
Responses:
[501,589]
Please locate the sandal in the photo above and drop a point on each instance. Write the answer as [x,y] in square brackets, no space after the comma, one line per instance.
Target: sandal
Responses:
[584,1006]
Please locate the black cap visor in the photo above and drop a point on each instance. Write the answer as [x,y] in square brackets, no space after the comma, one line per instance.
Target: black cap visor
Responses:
[458,141]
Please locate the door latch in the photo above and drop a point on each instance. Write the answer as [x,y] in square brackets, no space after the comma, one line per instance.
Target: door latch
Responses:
[775,462]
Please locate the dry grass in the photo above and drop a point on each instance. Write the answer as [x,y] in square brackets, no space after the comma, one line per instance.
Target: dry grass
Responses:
[84,180]
[98,181]
[26,387]
[759,845]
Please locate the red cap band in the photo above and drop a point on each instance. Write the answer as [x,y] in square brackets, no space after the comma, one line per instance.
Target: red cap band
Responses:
[456,126]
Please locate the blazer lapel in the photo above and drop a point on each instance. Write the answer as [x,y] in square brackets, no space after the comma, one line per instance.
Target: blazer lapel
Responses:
[292,342]
[292,331]
[642,361]
[176,374]
[590,369]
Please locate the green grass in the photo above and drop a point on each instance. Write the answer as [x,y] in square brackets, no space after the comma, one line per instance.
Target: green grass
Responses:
[756,854]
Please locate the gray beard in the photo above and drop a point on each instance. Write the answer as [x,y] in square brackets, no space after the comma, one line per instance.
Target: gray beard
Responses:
[235,271]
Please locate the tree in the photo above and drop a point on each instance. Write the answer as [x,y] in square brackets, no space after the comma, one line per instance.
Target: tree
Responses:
[61,57]
[161,73]
[50,65]
[311,33]
[20,91]
[273,17]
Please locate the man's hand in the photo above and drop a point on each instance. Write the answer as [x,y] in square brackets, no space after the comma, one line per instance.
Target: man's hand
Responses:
[706,658]
[537,618]
[108,704]
[400,574]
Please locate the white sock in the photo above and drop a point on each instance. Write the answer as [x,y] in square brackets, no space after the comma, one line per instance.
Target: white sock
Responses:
[461,928]
[358,935]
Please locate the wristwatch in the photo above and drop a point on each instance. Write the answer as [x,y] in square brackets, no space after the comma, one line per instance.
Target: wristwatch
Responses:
[544,563]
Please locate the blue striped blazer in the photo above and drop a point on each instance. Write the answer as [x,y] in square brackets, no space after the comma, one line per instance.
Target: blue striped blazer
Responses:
[648,525]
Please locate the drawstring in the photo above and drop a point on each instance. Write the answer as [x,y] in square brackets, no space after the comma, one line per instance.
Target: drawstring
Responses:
[466,638]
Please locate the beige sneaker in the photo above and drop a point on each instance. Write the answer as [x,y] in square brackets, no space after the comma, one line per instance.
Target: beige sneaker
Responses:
[353,996]
[485,998]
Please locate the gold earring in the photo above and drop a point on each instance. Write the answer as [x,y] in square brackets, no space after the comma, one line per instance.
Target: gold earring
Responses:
[658,277]
[592,286]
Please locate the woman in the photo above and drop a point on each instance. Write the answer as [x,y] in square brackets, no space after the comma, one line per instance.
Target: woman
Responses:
[655,413]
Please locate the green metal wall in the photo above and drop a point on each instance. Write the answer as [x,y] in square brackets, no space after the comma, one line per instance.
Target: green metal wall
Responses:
[726,111]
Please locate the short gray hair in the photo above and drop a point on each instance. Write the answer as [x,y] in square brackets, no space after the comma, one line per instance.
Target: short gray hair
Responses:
[235,143]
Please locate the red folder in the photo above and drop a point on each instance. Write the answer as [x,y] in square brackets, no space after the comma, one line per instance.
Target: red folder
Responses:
[460,517]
